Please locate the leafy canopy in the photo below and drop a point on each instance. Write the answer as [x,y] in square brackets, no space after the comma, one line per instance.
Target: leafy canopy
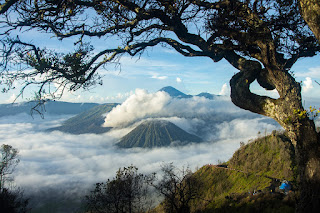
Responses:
[269,31]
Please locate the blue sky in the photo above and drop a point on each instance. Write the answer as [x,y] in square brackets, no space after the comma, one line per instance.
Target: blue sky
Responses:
[159,67]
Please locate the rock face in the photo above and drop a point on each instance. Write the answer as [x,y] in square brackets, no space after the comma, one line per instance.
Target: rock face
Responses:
[156,133]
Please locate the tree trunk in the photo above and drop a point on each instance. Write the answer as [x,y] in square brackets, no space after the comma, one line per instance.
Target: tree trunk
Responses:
[308,161]
[290,114]
[307,149]
[310,10]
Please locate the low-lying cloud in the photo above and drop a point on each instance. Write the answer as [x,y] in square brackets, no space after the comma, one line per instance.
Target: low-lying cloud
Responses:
[73,163]
[55,159]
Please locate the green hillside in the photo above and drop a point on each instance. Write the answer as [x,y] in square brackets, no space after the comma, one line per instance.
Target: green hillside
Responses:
[259,165]
[269,156]
[156,133]
[87,122]
[249,181]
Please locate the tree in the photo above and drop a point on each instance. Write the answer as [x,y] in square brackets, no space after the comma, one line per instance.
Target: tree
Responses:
[11,201]
[178,187]
[310,10]
[127,192]
[261,38]
[8,163]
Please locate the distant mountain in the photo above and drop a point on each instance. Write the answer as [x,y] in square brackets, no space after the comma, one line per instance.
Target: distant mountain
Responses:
[156,133]
[173,92]
[89,121]
[207,95]
[50,107]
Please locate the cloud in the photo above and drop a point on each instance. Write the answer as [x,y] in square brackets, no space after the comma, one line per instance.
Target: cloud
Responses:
[178,80]
[11,99]
[58,160]
[224,90]
[133,66]
[143,105]
[313,72]
[139,105]
[243,128]
[307,85]
[159,77]
[196,115]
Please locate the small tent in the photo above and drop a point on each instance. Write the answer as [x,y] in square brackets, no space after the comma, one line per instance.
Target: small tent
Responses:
[285,186]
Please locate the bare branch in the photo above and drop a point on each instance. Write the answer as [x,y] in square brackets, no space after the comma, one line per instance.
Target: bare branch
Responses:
[5,6]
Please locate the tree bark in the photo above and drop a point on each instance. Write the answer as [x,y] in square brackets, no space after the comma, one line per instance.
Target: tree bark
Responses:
[310,10]
[290,114]
[308,161]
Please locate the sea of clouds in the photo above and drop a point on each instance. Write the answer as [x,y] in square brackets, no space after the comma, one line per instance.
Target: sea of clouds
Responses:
[56,164]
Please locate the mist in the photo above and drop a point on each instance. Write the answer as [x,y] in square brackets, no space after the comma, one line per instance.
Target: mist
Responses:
[56,163]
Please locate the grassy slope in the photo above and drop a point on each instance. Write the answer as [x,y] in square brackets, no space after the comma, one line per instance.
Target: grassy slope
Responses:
[226,190]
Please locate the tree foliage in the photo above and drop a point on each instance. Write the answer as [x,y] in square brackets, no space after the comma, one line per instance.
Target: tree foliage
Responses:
[269,31]
[178,188]
[127,192]
[8,163]
[11,200]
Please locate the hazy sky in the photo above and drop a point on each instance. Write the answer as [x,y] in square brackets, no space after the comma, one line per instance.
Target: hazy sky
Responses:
[159,67]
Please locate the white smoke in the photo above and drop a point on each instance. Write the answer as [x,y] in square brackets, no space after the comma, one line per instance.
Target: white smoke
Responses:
[224,90]
[143,105]
[137,106]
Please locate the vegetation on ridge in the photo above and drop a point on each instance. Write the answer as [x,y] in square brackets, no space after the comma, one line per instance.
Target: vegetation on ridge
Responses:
[259,165]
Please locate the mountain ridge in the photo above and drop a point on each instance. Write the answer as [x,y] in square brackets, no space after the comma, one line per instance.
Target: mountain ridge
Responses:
[49,107]
[89,121]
